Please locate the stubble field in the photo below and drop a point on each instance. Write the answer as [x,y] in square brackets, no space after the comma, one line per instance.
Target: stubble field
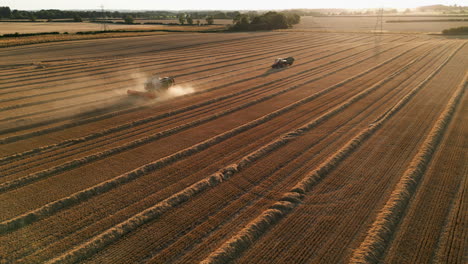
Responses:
[70,27]
[356,153]
[412,24]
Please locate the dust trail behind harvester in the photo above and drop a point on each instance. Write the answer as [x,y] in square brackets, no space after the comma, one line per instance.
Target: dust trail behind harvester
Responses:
[175,91]
[119,100]
[102,101]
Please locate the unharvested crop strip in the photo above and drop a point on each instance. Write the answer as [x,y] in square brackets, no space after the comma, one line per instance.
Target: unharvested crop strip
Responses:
[252,231]
[381,232]
[258,226]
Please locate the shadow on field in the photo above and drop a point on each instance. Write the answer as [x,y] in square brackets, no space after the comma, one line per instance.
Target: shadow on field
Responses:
[271,70]
[107,107]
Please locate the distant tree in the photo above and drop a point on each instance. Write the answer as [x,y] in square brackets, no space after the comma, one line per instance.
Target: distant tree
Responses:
[209,20]
[189,20]
[270,20]
[198,22]
[5,12]
[293,19]
[77,18]
[220,15]
[14,14]
[233,14]
[128,19]
[182,19]
[241,22]
[32,17]
[456,31]
[267,21]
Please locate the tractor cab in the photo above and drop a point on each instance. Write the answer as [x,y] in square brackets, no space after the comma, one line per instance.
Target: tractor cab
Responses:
[282,62]
[155,84]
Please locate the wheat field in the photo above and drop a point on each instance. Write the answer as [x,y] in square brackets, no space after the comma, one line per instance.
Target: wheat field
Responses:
[354,154]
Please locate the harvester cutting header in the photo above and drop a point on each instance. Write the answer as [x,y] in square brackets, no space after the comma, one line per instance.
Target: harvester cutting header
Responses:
[154,86]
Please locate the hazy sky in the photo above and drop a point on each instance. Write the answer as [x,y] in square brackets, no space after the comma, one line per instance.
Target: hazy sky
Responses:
[216,4]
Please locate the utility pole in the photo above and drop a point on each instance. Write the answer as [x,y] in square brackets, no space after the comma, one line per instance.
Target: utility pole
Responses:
[379,23]
[104,19]
[378,29]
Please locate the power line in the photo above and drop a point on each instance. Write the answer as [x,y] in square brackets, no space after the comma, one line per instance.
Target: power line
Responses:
[103,19]
[379,23]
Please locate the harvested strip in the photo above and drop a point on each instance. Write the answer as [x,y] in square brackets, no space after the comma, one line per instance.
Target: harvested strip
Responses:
[237,244]
[379,235]
[455,232]
[113,114]
[114,233]
[79,162]
[46,210]
[142,121]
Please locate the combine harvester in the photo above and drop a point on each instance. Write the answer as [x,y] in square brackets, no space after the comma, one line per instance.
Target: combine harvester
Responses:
[281,63]
[154,86]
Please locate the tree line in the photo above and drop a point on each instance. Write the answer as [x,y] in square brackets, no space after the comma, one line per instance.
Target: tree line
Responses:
[246,21]
[268,21]
[6,12]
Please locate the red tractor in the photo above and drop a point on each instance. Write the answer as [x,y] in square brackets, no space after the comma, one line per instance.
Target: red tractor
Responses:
[281,63]
[153,87]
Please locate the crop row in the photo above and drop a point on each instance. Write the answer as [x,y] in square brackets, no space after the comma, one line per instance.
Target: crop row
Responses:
[388,219]
[87,159]
[11,139]
[249,234]
[237,61]
[181,60]
[103,200]
[150,119]
[46,210]
[258,193]
[182,196]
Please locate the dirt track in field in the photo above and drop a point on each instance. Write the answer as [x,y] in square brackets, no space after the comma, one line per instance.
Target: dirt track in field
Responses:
[238,161]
